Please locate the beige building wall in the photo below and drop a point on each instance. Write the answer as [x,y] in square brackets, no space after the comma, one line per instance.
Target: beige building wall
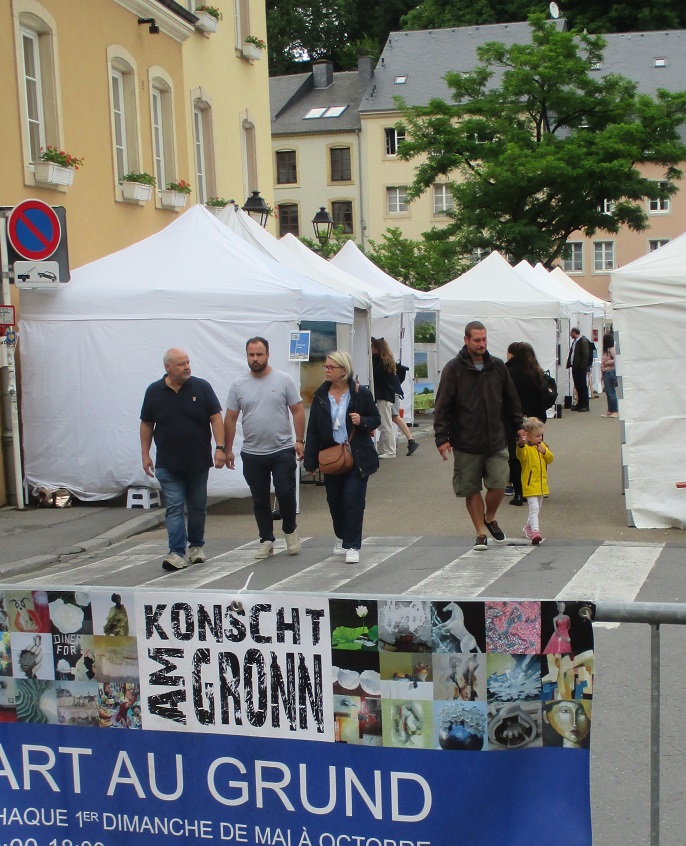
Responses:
[665,224]
[314,187]
[231,92]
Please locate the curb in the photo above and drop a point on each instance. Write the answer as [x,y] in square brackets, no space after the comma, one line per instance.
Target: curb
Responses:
[131,527]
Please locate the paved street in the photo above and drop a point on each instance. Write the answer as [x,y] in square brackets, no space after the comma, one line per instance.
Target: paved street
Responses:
[418,540]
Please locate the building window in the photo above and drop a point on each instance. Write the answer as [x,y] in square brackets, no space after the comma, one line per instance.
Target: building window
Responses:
[607,206]
[124,116]
[342,214]
[119,122]
[655,245]
[393,137]
[443,198]
[603,256]
[162,128]
[574,260]
[200,158]
[286,167]
[396,199]
[34,92]
[249,157]
[659,206]
[241,21]
[340,164]
[288,219]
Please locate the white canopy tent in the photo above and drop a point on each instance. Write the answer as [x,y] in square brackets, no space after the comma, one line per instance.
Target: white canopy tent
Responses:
[290,252]
[649,321]
[507,304]
[90,348]
[399,333]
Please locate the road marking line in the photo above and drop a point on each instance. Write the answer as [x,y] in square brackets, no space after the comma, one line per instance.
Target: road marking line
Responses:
[614,571]
[471,573]
[103,567]
[322,577]
[198,575]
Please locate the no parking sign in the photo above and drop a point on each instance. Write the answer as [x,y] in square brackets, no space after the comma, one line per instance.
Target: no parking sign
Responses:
[37,231]
[34,230]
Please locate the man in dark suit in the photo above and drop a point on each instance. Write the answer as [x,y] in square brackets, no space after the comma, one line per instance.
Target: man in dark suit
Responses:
[580,359]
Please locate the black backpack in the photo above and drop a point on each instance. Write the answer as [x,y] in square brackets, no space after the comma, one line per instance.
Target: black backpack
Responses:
[548,390]
[400,371]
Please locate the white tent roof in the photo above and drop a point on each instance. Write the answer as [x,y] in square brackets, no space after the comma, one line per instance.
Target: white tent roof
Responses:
[178,273]
[302,260]
[570,304]
[91,347]
[492,287]
[601,307]
[511,308]
[649,319]
[351,259]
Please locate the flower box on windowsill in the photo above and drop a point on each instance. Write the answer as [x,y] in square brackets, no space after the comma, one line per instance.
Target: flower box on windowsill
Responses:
[252,51]
[49,173]
[206,22]
[136,192]
[173,199]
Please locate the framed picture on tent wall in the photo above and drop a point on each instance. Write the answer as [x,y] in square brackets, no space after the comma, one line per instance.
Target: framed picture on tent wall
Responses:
[322,341]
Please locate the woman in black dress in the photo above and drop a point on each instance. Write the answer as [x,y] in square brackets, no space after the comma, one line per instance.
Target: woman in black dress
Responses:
[527,375]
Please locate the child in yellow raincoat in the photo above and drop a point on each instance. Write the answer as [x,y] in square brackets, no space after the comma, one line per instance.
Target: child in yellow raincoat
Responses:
[534,456]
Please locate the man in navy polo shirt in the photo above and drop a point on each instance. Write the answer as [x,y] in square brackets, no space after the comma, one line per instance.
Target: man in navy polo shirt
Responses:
[178,412]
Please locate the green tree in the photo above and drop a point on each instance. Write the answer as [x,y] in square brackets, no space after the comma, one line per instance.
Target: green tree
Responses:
[328,247]
[540,153]
[423,264]
[339,30]
[628,16]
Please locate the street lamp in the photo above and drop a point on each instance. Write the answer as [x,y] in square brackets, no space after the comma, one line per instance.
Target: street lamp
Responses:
[323,224]
[257,208]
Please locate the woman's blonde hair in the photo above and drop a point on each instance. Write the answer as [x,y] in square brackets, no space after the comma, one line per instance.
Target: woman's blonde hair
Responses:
[342,359]
[533,426]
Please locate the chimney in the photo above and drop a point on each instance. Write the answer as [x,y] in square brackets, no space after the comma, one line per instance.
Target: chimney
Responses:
[365,70]
[322,73]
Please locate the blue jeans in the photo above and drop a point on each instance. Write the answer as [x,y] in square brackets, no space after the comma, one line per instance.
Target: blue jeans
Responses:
[610,382]
[189,490]
[258,471]
[346,497]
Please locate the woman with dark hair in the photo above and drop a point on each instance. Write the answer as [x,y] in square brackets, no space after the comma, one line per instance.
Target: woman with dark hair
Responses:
[607,367]
[385,379]
[527,376]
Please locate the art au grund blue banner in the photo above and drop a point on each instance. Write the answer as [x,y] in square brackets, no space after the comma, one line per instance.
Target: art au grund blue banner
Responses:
[146,717]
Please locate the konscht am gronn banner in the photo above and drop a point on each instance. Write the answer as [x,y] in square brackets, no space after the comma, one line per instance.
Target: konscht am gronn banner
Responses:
[135,718]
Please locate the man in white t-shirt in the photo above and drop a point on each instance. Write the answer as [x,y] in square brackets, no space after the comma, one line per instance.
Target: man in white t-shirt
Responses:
[265,397]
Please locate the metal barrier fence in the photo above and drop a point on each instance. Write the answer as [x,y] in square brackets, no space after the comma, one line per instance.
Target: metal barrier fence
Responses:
[654,614]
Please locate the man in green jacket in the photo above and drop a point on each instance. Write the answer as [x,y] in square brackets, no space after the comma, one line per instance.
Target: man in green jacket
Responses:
[475,402]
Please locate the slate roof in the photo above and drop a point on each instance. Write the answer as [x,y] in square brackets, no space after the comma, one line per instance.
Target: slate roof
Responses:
[426,56]
[293,96]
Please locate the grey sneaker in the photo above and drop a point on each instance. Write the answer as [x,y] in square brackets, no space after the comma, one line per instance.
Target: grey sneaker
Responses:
[292,543]
[264,550]
[172,562]
[352,556]
[412,447]
[338,547]
[196,555]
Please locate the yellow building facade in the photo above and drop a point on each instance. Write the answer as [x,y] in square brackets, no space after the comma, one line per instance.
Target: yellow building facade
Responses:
[154,87]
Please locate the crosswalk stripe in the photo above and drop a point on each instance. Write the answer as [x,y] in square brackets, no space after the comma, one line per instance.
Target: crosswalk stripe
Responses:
[215,568]
[104,567]
[614,571]
[332,573]
[471,573]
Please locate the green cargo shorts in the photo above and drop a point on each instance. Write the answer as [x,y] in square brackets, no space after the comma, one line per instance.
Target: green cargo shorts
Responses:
[470,470]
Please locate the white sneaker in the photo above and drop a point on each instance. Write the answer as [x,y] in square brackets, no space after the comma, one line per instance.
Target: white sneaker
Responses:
[172,562]
[264,550]
[338,548]
[352,556]
[196,555]
[292,543]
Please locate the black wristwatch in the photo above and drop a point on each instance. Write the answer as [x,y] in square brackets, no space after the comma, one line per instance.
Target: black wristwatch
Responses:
[221,447]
